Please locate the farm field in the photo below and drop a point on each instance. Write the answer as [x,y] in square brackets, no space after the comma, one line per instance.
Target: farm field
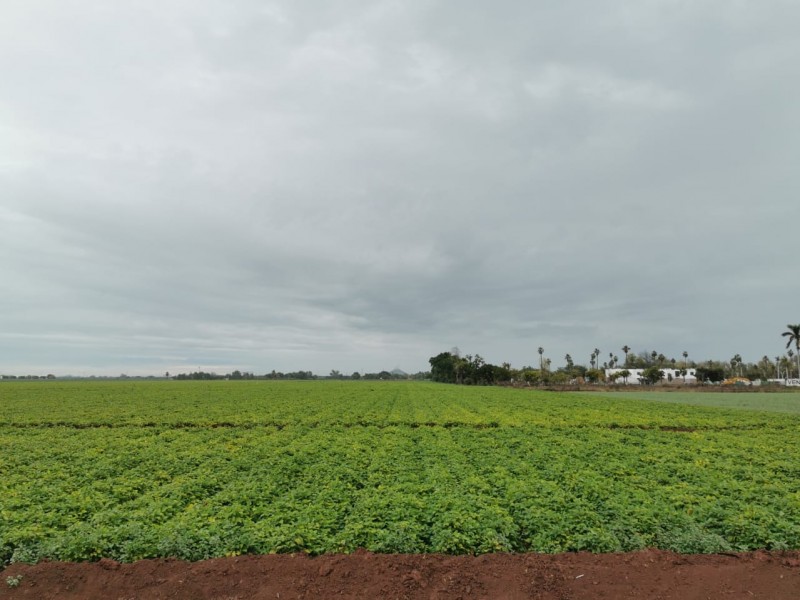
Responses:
[195,470]
[787,401]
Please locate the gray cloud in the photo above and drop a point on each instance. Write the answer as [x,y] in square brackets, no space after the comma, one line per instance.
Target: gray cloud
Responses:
[361,185]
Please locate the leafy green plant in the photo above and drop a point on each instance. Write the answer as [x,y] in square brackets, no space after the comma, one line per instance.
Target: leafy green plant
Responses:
[202,469]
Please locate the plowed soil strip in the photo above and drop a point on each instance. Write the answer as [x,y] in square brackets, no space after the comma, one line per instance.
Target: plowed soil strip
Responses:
[649,574]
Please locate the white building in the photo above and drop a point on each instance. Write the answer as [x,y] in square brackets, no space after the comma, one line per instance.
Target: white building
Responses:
[670,375]
[787,382]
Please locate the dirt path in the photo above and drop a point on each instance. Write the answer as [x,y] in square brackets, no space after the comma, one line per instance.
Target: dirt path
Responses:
[653,575]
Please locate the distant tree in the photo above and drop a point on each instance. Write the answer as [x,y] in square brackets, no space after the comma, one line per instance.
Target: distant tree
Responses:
[710,373]
[595,375]
[532,376]
[541,358]
[783,367]
[626,349]
[445,367]
[478,372]
[793,335]
[502,373]
[764,367]
[652,375]
[578,371]
[356,375]
[201,375]
[685,356]
[302,375]
[736,365]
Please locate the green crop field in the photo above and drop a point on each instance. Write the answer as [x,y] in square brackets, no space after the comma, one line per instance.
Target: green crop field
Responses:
[130,470]
[785,401]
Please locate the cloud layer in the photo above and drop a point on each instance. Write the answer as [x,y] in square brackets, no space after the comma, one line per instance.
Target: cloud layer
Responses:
[362,185]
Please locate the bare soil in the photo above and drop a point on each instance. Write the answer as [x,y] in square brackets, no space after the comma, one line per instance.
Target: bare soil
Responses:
[652,574]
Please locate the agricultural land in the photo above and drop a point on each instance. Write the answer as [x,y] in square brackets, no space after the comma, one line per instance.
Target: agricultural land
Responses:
[196,470]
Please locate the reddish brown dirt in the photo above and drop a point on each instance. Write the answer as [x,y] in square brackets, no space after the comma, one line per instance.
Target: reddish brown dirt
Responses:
[653,575]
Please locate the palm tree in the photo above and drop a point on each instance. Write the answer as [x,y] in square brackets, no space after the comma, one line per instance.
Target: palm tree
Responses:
[736,361]
[626,349]
[785,366]
[794,336]
[765,367]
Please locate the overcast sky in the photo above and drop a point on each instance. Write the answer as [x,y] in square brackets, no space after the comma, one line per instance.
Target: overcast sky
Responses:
[359,185]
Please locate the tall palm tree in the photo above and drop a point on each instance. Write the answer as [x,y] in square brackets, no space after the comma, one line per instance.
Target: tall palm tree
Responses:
[541,360]
[794,336]
[765,366]
[736,361]
[626,349]
[685,356]
[785,366]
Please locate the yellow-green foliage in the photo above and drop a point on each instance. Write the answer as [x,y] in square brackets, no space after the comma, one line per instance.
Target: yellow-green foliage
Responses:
[200,469]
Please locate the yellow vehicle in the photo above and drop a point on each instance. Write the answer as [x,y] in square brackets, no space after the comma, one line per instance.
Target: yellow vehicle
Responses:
[737,381]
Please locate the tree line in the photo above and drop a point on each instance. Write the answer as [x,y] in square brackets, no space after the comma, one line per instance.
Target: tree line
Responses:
[452,367]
